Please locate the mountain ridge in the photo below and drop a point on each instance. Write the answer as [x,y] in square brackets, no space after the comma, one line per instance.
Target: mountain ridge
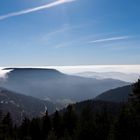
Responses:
[128,77]
[120,94]
[55,86]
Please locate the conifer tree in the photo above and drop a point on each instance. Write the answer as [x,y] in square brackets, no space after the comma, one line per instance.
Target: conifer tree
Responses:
[86,127]
[70,119]
[46,126]
[57,124]
[24,130]
[7,127]
[35,130]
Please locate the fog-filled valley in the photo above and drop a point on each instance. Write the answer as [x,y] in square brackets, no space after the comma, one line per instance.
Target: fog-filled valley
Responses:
[32,91]
[52,85]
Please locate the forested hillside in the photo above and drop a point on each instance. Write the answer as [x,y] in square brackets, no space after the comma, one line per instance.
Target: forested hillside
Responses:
[20,106]
[117,95]
[98,124]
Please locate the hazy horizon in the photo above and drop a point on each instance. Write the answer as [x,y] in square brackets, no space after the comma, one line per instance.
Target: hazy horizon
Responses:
[88,68]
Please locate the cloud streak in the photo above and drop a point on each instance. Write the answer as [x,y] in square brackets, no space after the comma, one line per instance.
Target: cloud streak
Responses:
[31,10]
[110,39]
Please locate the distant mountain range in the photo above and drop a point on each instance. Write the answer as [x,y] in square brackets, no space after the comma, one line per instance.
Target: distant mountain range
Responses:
[52,85]
[132,77]
[21,106]
[120,94]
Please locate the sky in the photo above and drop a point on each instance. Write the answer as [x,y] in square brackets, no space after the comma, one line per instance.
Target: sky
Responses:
[69,32]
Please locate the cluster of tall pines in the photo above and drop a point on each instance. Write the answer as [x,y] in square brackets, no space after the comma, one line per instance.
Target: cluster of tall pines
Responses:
[87,125]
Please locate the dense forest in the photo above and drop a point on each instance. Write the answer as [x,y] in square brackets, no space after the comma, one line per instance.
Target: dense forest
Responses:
[70,125]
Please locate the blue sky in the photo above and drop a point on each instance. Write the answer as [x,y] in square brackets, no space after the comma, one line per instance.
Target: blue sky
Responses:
[69,32]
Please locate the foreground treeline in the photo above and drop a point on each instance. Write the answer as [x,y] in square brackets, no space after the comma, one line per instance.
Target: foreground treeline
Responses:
[70,125]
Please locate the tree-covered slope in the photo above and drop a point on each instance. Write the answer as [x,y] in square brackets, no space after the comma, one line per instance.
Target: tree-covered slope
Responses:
[120,94]
[21,106]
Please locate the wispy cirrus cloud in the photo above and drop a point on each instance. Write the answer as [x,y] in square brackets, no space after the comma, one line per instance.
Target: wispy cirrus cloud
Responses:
[31,10]
[102,40]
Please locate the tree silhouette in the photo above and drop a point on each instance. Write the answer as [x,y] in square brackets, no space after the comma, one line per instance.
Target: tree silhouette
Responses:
[24,130]
[103,124]
[35,130]
[70,119]
[58,125]
[7,127]
[136,89]
[86,127]
[46,126]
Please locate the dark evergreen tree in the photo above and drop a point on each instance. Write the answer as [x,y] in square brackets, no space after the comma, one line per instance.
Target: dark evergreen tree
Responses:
[103,124]
[86,128]
[0,114]
[121,126]
[7,128]
[46,126]
[70,119]
[24,130]
[35,130]
[58,125]
[135,96]
[136,91]
[128,122]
